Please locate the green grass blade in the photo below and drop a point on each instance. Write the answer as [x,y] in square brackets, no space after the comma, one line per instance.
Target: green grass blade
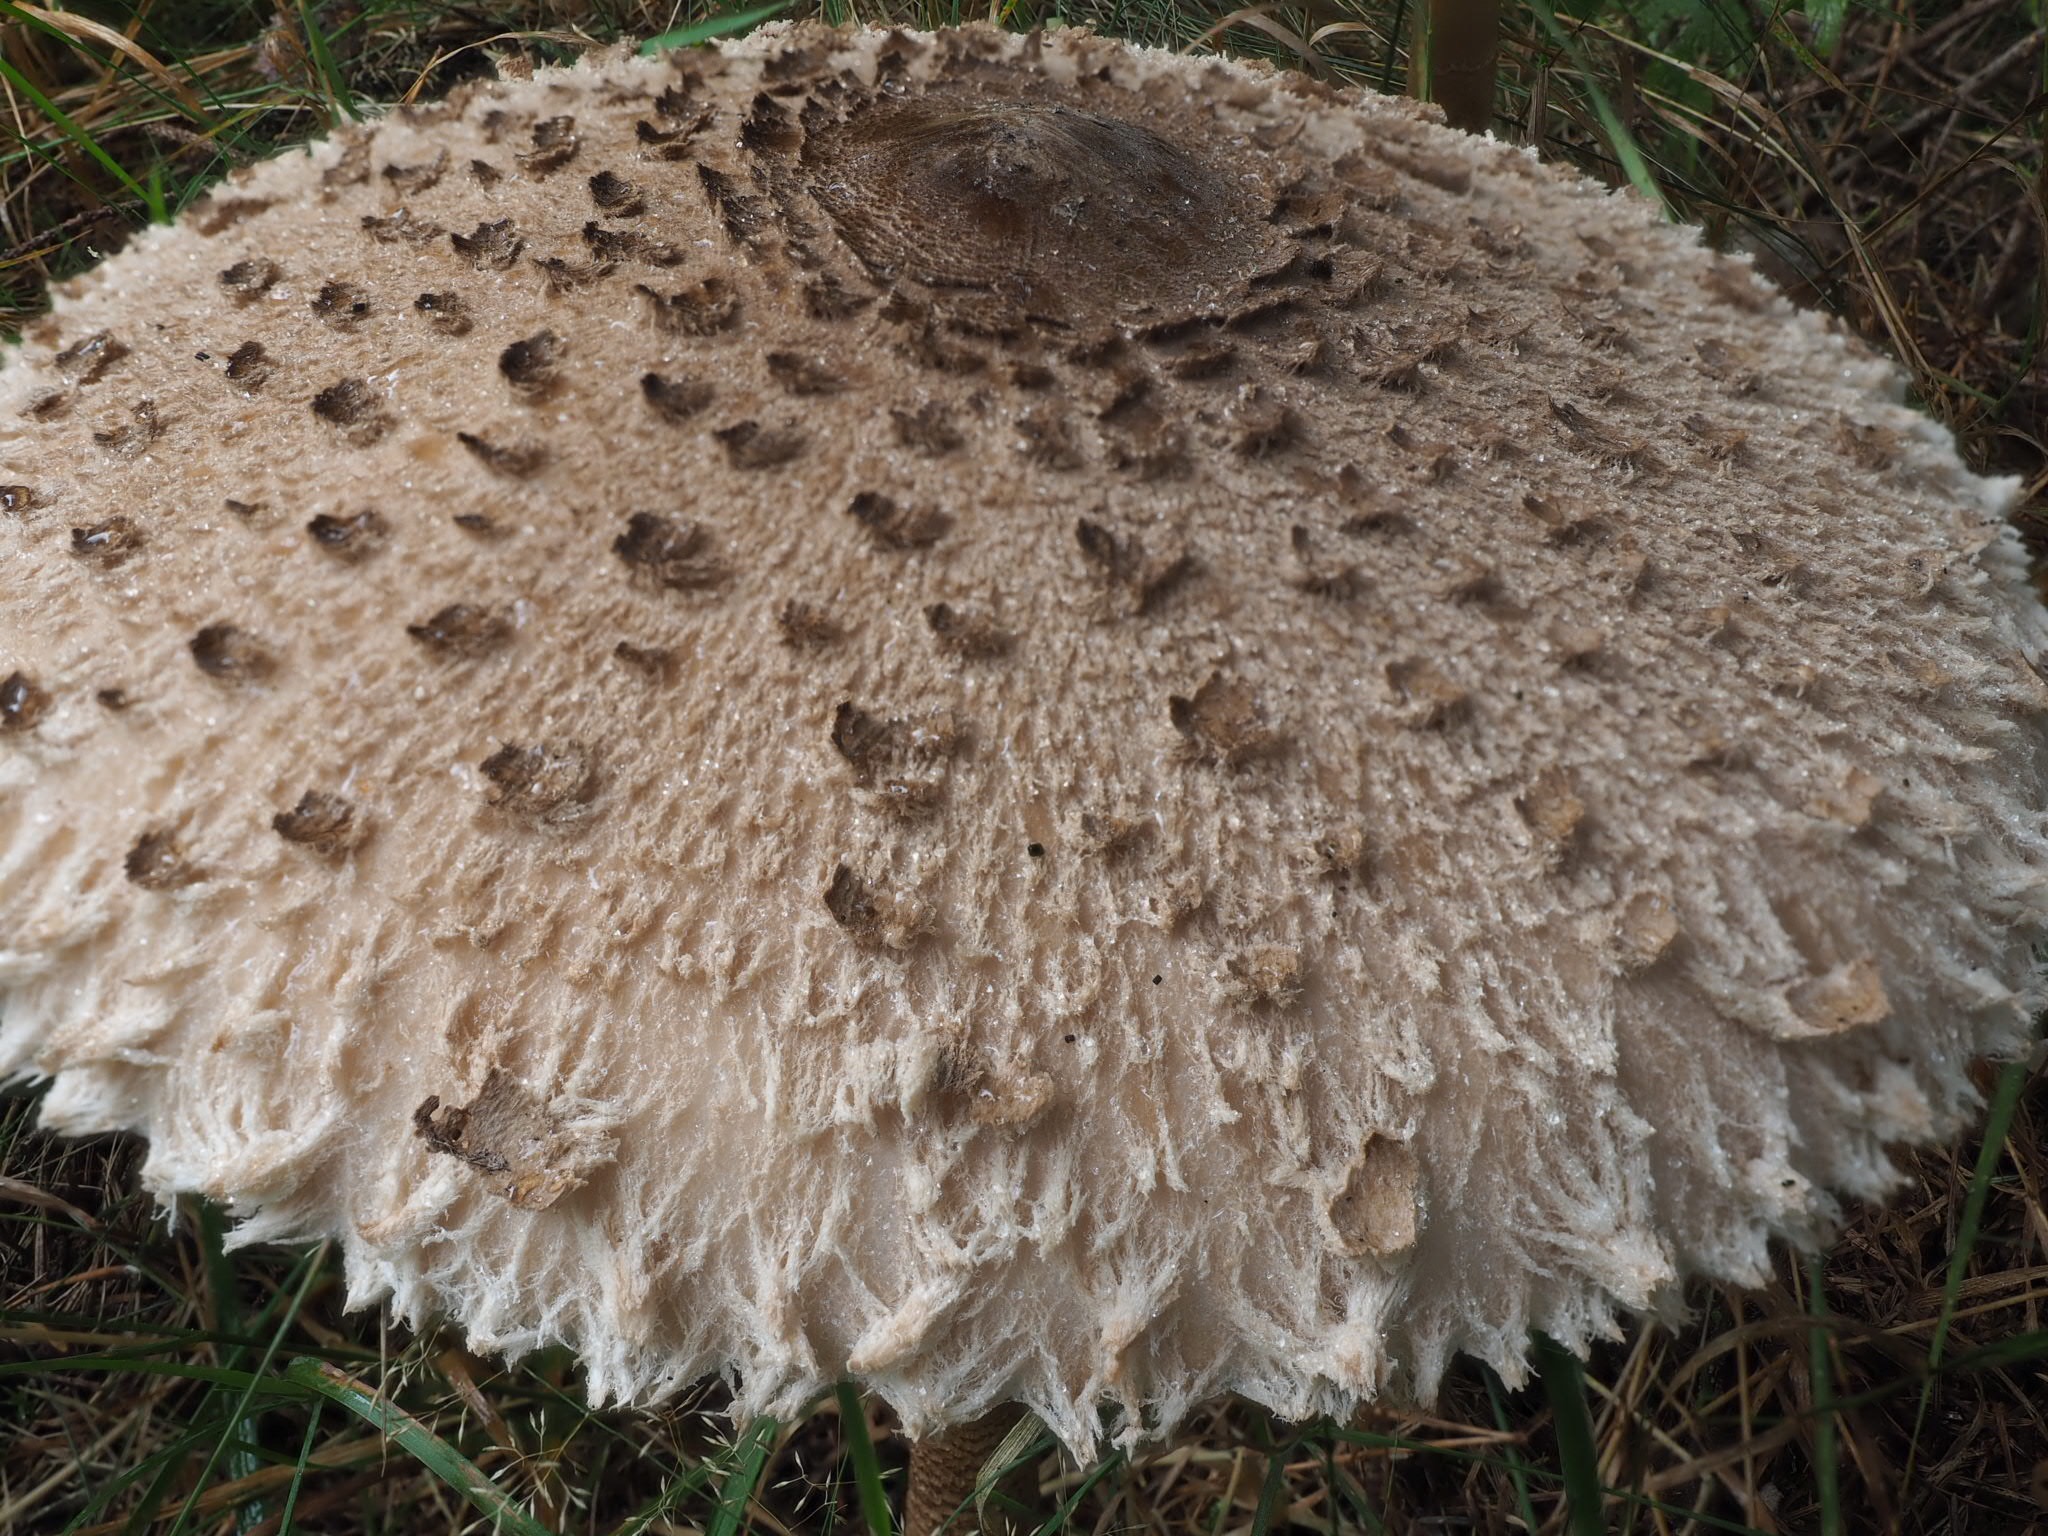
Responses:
[1827,1476]
[704,31]
[1056,1523]
[1518,1466]
[241,1420]
[1345,1490]
[684,1487]
[416,1440]
[224,1316]
[76,134]
[2020,1349]
[331,76]
[1270,1488]
[737,1489]
[291,1497]
[867,1469]
[1619,139]
[2005,1099]
[1828,17]
[218,1375]
[1564,1385]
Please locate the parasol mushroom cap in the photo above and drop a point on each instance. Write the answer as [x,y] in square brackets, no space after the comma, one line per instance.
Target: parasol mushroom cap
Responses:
[1025,718]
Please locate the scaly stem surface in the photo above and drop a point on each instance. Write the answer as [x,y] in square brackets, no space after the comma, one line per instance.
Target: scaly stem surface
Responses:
[943,1468]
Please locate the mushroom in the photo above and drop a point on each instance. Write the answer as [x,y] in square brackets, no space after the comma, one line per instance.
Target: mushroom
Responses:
[1031,720]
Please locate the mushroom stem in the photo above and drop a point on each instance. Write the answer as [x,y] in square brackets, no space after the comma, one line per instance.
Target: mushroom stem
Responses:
[943,1470]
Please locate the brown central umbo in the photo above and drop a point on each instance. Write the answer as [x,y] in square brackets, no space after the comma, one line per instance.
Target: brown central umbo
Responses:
[1062,214]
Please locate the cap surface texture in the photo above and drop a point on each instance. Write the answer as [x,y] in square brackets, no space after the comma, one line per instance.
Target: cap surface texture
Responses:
[1018,717]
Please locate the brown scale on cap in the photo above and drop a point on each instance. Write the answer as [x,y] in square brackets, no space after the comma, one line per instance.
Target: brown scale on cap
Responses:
[87,360]
[616,197]
[412,180]
[612,246]
[352,538]
[967,632]
[446,312]
[533,366]
[567,276]
[110,543]
[928,428]
[894,526]
[904,762]
[355,407]
[323,822]
[676,399]
[155,862]
[703,309]
[806,625]
[555,144]
[249,366]
[401,228]
[250,278]
[1138,580]
[132,436]
[542,783]
[1222,721]
[1462,655]
[674,555]
[492,246]
[341,306]
[513,460]
[753,445]
[656,662]
[231,654]
[464,630]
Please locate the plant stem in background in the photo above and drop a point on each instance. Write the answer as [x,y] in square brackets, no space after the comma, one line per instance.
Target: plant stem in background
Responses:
[1464,48]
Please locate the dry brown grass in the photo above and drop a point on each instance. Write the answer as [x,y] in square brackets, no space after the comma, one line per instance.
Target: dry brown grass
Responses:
[1895,176]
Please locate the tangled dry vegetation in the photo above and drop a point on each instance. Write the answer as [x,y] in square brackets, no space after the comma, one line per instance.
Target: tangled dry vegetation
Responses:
[1883,161]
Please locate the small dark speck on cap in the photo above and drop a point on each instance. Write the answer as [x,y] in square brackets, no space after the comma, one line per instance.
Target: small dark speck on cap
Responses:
[22,703]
